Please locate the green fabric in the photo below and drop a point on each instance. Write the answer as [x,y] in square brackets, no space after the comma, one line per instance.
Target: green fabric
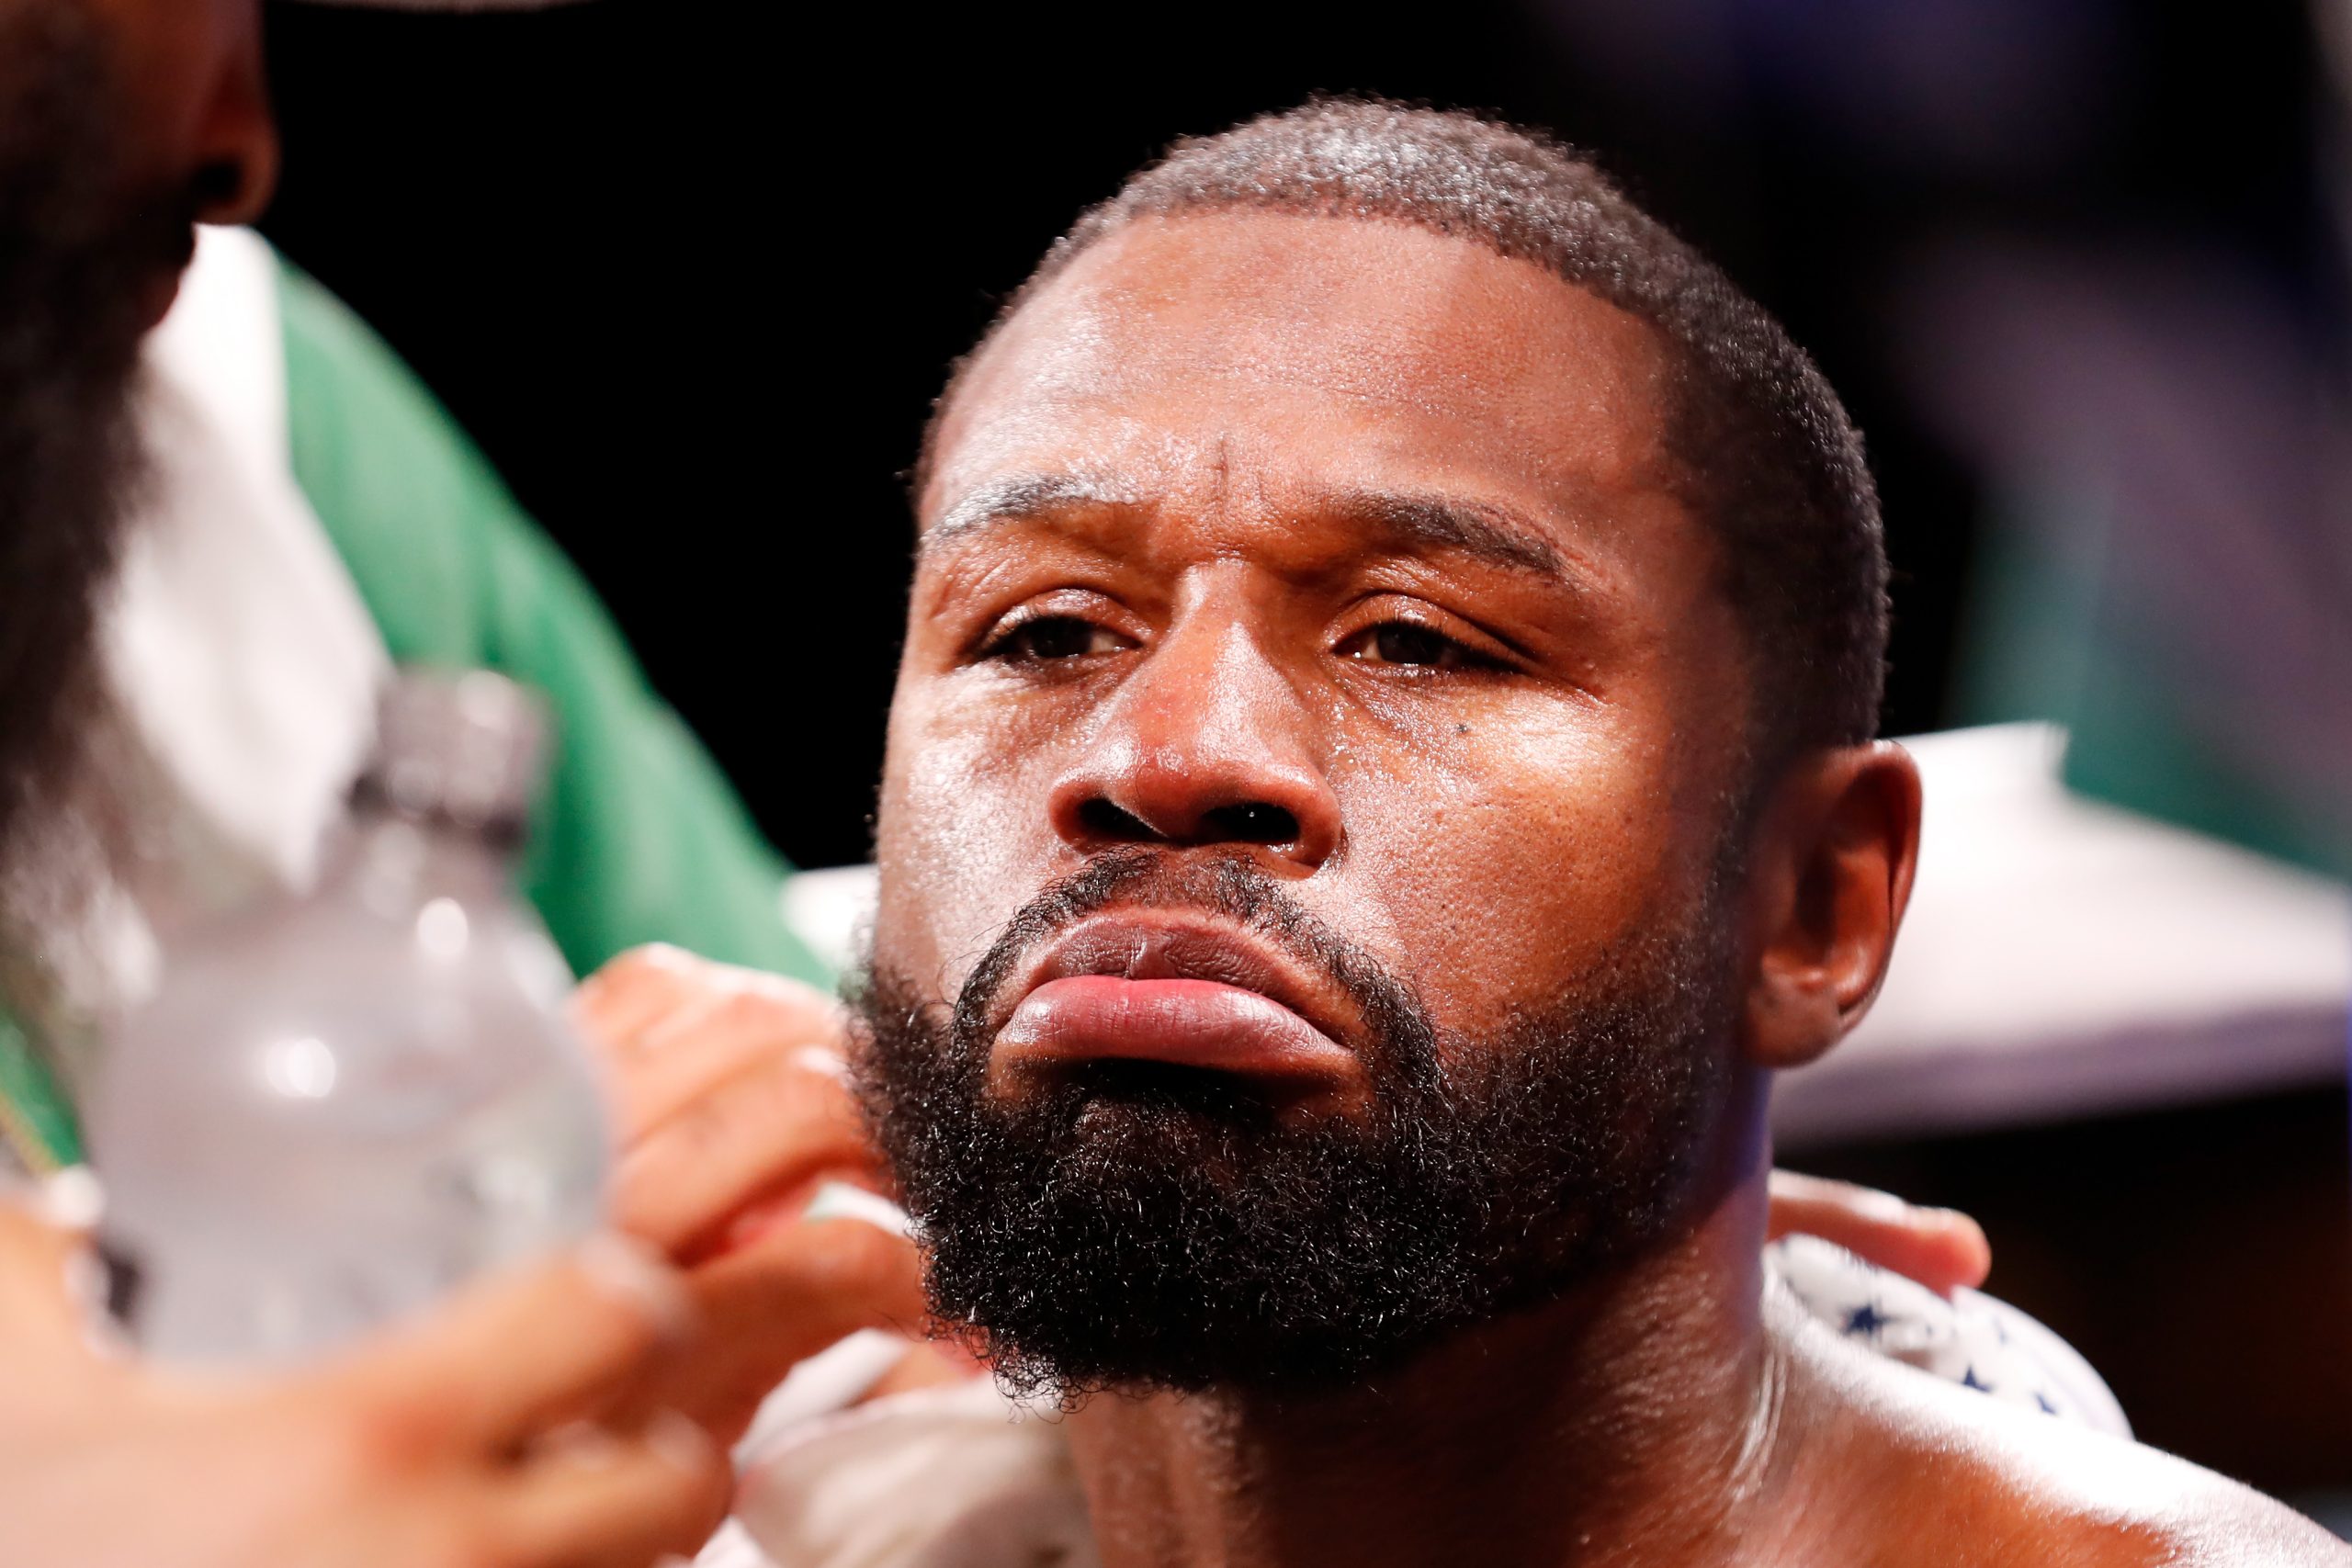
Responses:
[32,1094]
[2135,742]
[2056,633]
[640,838]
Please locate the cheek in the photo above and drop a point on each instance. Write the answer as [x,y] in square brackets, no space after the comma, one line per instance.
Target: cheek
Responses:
[961,835]
[1509,849]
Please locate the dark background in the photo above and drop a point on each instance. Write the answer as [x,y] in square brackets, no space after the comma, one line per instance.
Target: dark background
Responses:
[692,273]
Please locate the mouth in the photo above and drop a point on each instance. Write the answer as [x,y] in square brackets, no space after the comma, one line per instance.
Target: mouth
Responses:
[1183,989]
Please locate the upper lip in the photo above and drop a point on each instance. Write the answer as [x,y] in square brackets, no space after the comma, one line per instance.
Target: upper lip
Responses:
[1147,944]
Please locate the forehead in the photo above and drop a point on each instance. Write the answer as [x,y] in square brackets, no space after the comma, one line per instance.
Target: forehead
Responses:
[1324,352]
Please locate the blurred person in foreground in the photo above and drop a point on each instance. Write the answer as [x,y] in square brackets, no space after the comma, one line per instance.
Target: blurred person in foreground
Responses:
[537,1420]
[1381,775]
[304,516]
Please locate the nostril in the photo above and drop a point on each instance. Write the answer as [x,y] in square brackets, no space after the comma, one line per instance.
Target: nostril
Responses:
[1252,822]
[218,185]
[1242,822]
[1104,820]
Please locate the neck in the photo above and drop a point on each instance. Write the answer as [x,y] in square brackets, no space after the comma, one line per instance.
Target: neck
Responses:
[1630,1422]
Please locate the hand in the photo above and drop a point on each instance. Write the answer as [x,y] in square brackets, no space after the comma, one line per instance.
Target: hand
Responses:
[1939,1248]
[734,1109]
[453,1442]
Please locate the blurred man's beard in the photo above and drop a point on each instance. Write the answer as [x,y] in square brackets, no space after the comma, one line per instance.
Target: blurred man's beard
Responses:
[82,248]
[1147,1227]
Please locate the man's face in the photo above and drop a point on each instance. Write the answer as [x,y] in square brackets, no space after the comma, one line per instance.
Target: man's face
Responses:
[1307,777]
[122,122]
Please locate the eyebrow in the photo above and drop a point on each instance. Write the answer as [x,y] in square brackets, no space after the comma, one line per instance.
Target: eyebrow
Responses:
[1021,498]
[1482,530]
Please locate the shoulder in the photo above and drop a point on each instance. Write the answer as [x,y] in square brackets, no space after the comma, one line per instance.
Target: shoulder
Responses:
[1966,1479]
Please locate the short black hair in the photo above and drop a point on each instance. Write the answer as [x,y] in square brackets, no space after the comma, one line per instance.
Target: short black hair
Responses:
[1767,453]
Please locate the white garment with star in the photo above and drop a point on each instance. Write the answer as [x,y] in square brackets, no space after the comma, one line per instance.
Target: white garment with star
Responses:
[1972,1339]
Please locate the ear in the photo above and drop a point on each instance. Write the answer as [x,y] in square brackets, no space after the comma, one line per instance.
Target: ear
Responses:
[1830,872]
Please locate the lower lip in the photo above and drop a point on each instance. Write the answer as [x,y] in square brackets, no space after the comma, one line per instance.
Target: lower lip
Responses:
[1187,1023]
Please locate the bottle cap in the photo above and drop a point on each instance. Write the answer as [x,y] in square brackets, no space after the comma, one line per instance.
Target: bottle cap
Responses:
[461,747]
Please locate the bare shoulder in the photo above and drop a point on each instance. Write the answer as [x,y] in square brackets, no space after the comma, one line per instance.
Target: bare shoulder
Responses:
[1950,1477]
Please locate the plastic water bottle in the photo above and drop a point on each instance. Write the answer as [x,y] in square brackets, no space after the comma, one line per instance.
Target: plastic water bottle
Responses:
[336,1109]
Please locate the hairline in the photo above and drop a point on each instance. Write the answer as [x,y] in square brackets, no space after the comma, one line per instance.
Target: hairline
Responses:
[1106,221]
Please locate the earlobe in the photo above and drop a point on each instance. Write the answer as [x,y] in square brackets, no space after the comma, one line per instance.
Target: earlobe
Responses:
[1831,869]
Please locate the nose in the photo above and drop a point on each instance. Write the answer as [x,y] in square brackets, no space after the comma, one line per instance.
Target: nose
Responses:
[1205,744]
[234,155]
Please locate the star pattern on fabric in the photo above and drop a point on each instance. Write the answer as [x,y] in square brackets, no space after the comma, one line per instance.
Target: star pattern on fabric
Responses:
[1968,1340]
[1865,1321]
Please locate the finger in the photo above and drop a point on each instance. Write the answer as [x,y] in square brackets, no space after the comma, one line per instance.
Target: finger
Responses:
[812,1284]
[1939,1248]
[37,1304]
[613,1502]
[771,1128]
[647,998]
[774,1304]
[527,1351]
[638,1073]
[690,1052]
[616,1004]
[782,1004]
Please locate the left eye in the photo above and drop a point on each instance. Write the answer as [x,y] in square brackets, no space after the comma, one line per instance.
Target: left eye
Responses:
[1050,638]
[1403,642]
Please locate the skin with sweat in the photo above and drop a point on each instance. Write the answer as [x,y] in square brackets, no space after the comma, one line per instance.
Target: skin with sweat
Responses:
[1355,549]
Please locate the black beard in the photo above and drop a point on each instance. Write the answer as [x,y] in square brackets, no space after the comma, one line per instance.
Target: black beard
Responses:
[1146,1227]
[80,246]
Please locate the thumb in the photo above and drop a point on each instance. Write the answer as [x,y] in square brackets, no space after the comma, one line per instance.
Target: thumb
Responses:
[47,1272]
[1940,1248]
[775,1301]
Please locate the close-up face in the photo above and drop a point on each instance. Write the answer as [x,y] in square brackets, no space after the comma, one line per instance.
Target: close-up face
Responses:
[1304,825]
[123,124]
[1344,546]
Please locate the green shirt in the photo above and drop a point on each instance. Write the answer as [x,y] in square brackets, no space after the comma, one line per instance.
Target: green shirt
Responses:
[638,838]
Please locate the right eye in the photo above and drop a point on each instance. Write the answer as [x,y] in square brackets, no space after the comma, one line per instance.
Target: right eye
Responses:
[1049,638]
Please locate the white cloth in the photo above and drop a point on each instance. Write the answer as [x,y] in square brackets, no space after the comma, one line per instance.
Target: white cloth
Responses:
[241,665]
[236,642]
[1972,1339]
[955,1477]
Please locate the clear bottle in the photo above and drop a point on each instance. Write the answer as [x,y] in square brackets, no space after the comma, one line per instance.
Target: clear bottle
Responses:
[338,1108]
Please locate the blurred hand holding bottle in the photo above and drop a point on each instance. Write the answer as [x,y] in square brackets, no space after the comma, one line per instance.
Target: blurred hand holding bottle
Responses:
[337,1108]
